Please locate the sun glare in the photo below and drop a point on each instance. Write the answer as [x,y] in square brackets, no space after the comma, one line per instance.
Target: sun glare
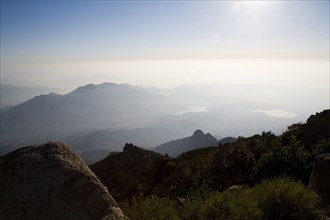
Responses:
[255,5]
[236,6]
[251,6]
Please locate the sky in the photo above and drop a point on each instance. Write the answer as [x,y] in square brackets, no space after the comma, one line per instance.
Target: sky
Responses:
[165,43]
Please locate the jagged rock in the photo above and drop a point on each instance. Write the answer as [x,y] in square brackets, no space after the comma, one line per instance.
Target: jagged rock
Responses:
[117,170]
[51,182]
[320,178]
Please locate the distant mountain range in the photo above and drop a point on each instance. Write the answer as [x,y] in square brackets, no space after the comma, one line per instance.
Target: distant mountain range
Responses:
[106,116]
[88,108]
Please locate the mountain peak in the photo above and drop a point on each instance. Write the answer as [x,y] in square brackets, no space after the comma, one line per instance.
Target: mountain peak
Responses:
[198,133]
[130,147]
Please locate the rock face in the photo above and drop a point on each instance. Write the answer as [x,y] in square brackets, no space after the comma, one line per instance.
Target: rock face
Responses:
[51,182]
[320,178]
[117,170]
[197,140]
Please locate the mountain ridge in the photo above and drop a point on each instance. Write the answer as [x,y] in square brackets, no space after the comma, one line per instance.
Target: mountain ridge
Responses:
[197,140]
[109,113]
[85,109]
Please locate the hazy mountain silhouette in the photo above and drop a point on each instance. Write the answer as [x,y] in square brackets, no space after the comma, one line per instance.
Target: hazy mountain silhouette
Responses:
[107,115]
[87,108]
[115,138]
[197,140]
[14,95]
[99,143]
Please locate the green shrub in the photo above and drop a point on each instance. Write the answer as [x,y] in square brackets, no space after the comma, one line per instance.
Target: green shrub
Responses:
[233,204]
[194,210]
[282,198]
[323,146]
[287,160]
[234,165]
[151,208]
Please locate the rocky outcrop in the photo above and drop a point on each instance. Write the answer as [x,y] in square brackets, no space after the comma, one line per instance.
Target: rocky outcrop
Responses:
[320,178]
[197,140]
[117,170]
[51,182]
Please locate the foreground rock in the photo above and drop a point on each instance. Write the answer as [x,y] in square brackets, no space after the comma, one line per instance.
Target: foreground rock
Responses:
[51,182]
[320,178]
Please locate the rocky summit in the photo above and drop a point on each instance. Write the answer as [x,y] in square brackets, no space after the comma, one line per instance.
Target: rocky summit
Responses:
[51,182]
[119,169]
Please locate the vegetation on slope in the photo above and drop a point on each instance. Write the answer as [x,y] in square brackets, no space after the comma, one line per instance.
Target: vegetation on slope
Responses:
[269,174]
[280,198]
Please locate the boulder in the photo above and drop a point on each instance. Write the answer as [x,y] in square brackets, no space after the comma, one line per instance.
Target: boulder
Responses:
[51,182]
[320,178]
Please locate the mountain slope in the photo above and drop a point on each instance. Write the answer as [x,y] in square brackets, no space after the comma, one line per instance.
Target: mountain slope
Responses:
[197,140]
[14,95]
[88,108]
[247,161]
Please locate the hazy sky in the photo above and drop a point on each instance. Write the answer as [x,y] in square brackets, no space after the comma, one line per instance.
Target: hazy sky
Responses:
[165,43]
